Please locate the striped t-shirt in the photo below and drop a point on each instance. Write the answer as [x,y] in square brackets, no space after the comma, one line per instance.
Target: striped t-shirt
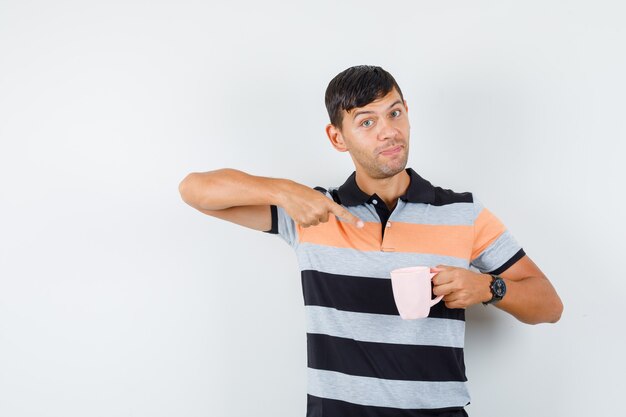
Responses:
[363,359]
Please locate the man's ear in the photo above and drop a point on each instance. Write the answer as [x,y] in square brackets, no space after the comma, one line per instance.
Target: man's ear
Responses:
[336,138]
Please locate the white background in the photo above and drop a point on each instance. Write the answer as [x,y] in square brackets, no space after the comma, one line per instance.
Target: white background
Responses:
[117,299]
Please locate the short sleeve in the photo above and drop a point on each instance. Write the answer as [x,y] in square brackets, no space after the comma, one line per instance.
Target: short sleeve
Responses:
[283,225]
[494,248]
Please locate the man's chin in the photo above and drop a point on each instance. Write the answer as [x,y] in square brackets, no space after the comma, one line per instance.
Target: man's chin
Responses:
[388,171]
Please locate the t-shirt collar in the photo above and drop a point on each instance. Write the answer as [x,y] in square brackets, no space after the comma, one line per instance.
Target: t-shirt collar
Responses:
[419,191]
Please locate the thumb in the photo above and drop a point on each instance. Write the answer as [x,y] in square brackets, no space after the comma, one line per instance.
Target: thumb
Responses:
[341,212]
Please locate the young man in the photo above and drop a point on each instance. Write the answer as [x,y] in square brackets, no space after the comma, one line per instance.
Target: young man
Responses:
[363,359]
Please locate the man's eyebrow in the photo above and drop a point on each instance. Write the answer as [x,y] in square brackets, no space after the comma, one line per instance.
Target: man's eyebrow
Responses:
[395,103]
[361,112]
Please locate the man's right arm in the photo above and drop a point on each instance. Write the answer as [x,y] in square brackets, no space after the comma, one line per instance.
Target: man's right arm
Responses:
[245,199]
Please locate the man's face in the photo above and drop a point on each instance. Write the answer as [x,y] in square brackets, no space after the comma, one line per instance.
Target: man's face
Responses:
[377,136]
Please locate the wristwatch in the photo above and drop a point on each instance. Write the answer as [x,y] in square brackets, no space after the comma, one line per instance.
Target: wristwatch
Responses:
[498,289]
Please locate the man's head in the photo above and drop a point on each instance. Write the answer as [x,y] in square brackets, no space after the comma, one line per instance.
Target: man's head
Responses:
[369,120]
[356,87]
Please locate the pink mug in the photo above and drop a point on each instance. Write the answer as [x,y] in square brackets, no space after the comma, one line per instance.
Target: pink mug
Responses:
[412,291]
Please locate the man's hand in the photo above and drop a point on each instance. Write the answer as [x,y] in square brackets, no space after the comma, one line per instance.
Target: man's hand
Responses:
[461,287]
[309,207]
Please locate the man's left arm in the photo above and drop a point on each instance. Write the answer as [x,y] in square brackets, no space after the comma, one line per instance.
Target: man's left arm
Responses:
[530,297]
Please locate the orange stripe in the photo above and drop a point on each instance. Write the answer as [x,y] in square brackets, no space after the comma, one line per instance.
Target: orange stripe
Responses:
[443,240]
[335,233]
[487,229]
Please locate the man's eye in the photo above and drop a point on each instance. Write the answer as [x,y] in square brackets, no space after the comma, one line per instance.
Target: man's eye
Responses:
[395,113]
[367,123]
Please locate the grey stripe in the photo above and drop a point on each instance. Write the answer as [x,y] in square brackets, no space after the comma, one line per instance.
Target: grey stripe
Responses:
[496,254]
[450,214]
[381,328]
[385,392]
[286,227]
[373,264]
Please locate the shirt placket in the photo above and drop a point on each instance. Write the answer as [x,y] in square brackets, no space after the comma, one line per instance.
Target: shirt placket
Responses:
[386,225]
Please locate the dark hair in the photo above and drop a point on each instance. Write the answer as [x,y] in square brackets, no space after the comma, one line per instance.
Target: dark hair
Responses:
[357,87]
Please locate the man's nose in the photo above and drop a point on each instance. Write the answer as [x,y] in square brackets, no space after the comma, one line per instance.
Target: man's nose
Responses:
[386,130]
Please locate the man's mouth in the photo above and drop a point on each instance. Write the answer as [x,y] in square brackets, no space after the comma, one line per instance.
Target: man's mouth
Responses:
[391,151]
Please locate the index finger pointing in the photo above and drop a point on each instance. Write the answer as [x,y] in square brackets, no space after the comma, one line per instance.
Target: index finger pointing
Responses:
[341,212]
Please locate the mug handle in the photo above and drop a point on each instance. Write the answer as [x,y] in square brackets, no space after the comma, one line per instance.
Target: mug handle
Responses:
[436,299]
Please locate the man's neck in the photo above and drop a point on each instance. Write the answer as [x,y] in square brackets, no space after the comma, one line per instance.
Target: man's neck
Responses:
[388,189]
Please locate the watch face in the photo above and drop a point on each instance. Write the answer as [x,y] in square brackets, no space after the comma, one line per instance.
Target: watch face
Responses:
[499,288]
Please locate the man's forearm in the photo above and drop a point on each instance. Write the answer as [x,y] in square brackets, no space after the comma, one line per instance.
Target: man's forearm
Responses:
[530,297]
[531,300]
[225,188]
